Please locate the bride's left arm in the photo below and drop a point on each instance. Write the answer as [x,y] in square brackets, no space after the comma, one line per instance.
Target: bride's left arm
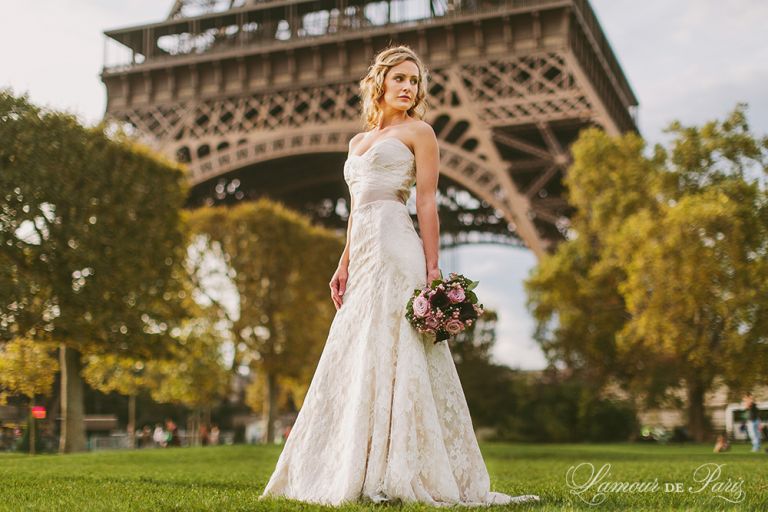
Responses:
[427,155]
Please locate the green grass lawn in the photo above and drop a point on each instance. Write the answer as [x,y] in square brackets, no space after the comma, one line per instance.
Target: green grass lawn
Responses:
[232,477]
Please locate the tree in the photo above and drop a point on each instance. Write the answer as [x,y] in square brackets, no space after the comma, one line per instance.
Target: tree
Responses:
[573,293]
[697,265]
[485,384]
[280,266]
[673,251]
[27,368]
[124,375]
[91,244]
[193,375]
[197,377]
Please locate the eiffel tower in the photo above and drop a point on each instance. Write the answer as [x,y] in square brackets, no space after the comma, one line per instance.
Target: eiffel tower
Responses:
[259,97]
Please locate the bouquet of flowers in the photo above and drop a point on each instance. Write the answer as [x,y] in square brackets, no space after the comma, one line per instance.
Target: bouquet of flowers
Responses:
[444,308]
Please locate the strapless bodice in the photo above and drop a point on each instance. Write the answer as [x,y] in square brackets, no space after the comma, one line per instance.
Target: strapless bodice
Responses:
[386,171]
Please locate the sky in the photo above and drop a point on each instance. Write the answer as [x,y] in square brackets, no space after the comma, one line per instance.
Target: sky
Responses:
[690,60]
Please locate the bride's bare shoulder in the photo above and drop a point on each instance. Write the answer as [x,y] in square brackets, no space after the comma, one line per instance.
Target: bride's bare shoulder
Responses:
[354,140]
[422,133]
[419,126]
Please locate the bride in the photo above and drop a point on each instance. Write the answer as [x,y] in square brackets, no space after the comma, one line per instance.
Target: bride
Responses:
[385,417]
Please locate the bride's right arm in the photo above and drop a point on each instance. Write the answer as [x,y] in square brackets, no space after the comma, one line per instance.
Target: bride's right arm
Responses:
[339,280]
[344,261]
[345,255]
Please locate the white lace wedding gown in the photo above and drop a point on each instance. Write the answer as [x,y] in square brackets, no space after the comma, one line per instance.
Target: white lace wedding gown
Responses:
[385,417]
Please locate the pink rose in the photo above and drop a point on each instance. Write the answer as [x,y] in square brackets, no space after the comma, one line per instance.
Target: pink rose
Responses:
[431,322]
[456,294]
[420,306]
[454,326]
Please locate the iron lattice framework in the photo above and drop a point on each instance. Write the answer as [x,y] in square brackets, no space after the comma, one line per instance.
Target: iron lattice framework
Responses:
[260,98]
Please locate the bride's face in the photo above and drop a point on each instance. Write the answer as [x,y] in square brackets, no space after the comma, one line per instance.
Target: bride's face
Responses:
[401,80]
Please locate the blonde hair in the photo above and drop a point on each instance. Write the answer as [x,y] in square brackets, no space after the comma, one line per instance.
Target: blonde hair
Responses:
[372,84]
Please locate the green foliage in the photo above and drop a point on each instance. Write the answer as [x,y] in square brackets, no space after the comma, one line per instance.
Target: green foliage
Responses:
[573,293]
[192,373]
[280,266]
[665,277]
[197,375]
[485,384]
[27,368]
[521,407]
[111,372]
[91,241]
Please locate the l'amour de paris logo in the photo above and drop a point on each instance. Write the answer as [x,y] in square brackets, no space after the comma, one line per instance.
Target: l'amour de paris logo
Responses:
[593,485]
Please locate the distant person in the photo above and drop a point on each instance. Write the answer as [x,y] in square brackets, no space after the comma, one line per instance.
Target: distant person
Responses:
[721,444]
[204,435]
[145,436]
[213,437]
[753,421]
[172,433]
[159,436]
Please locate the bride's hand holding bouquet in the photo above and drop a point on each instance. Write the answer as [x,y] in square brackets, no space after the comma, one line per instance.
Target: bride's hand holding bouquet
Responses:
[432,274]
[444,308]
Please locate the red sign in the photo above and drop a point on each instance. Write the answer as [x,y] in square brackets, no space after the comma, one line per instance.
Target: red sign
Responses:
[38,412]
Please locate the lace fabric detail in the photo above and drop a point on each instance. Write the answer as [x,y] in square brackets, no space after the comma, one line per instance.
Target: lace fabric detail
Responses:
[385,418]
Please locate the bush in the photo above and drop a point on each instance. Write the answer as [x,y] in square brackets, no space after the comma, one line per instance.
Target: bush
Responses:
[558,410]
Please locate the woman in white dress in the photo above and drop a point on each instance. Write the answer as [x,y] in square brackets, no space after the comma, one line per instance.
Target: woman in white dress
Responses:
[385,417]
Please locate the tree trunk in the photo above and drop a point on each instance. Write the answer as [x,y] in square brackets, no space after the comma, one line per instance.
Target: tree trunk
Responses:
[697,420]
[72,437]
[197,416]
[191,432]
[270,404]
[54,408]
[31,427]
[208,416]
[132,420]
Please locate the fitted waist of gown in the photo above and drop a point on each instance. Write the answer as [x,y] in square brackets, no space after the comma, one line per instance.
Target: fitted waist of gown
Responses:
[370,195]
